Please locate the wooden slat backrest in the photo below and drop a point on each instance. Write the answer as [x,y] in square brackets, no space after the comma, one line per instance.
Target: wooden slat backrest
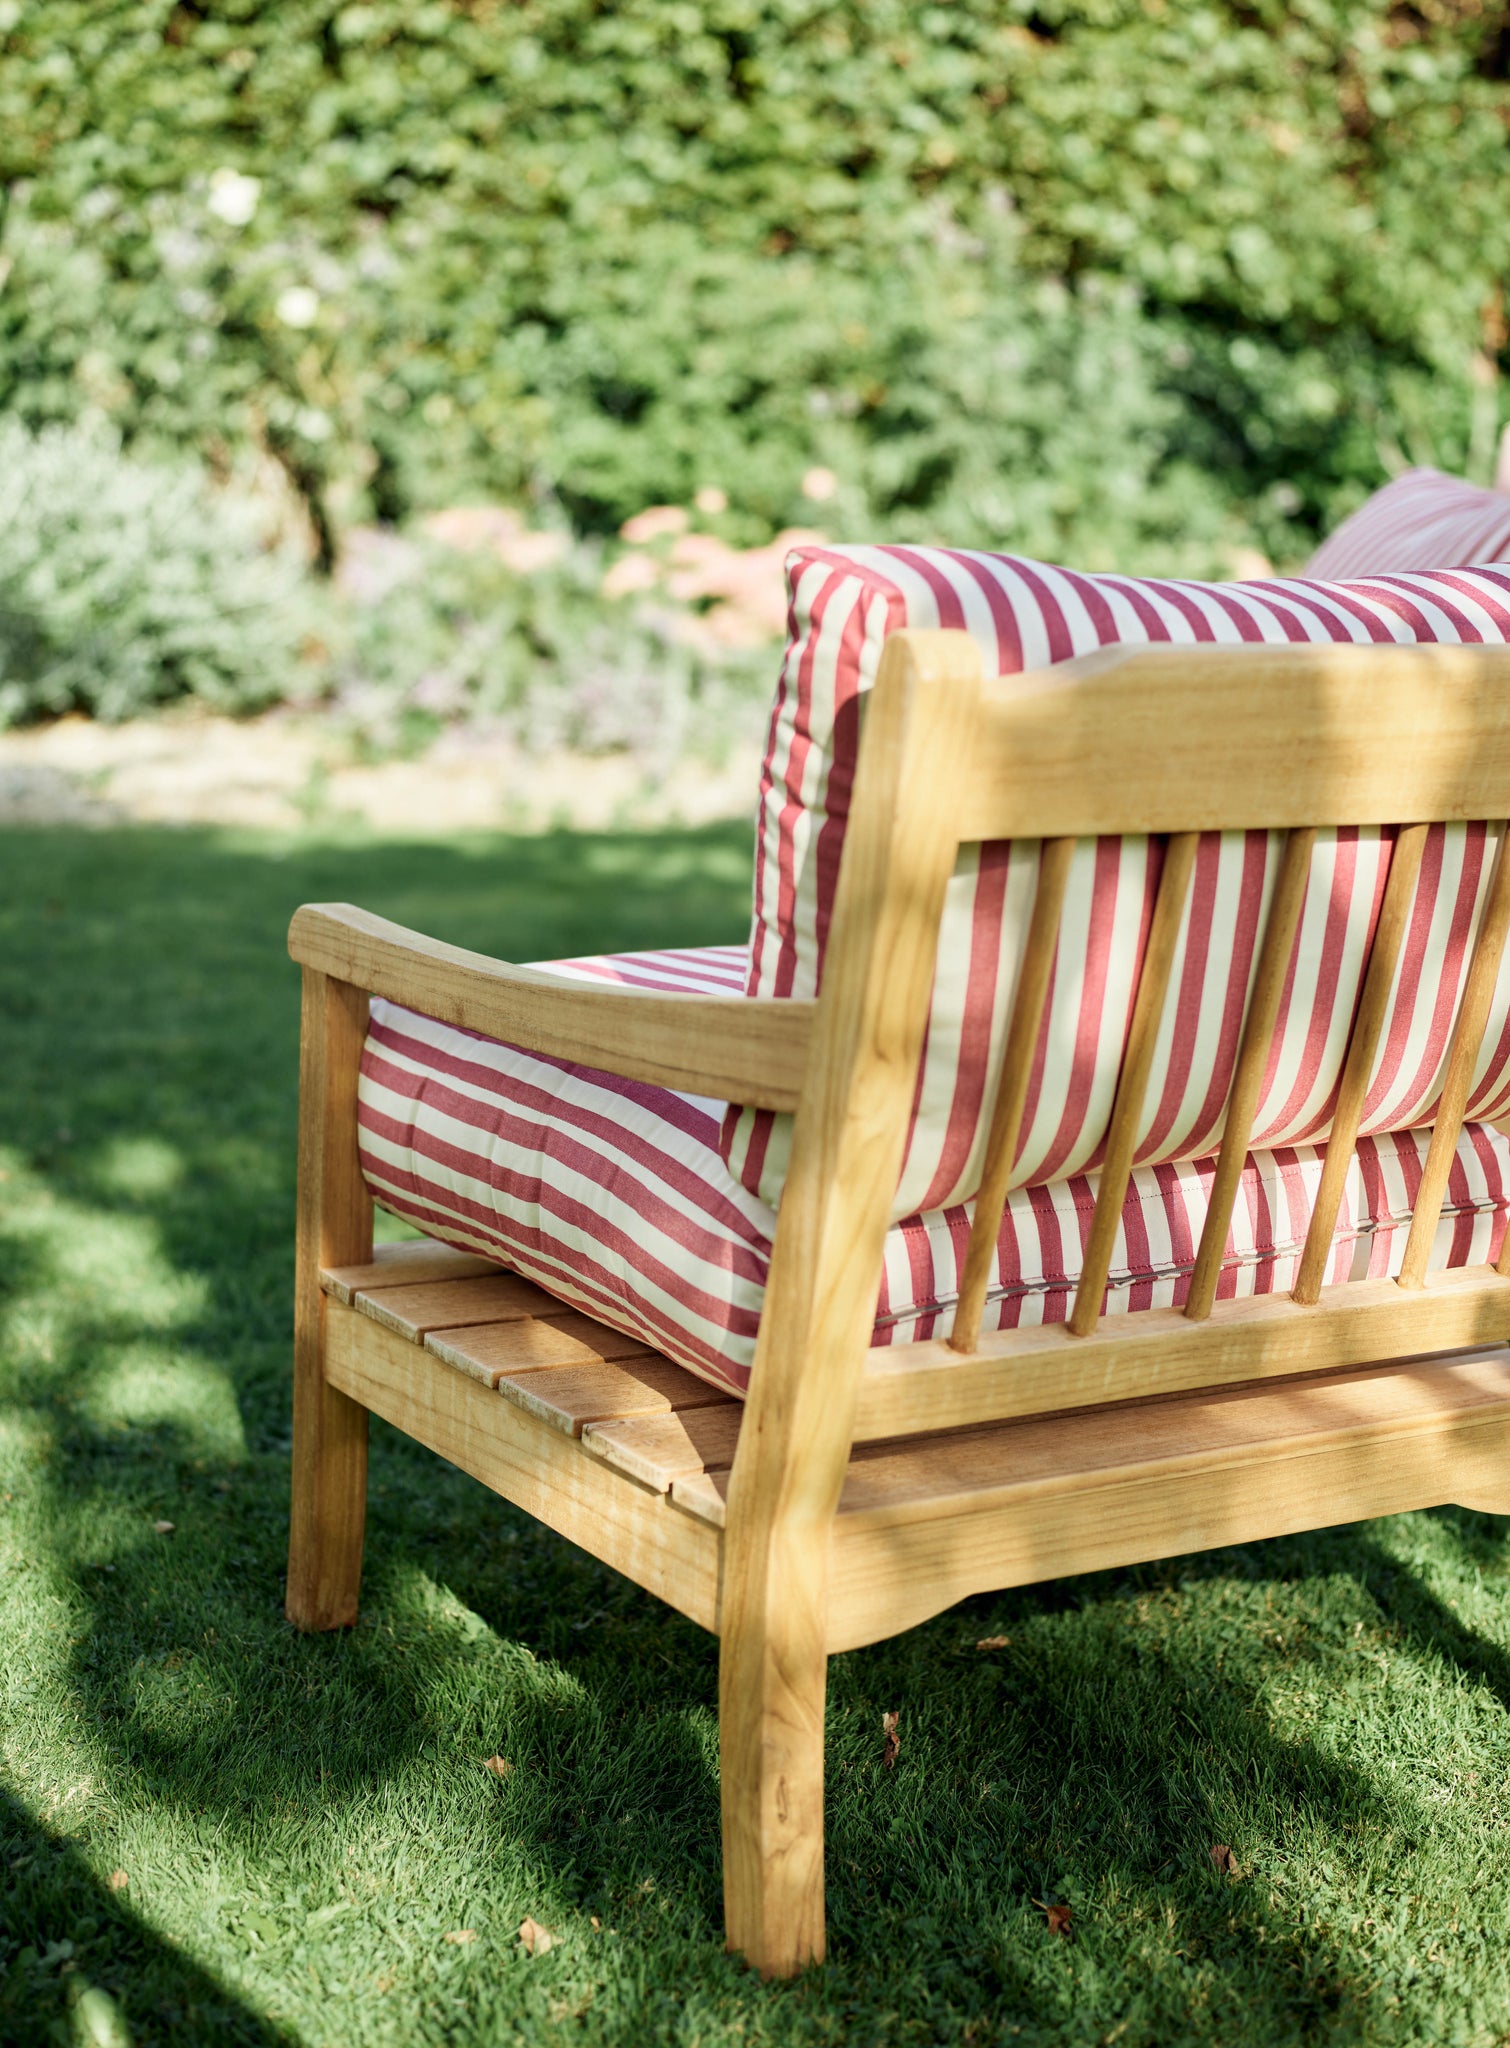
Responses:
[1180,740]
[1199,739]
[1168,742]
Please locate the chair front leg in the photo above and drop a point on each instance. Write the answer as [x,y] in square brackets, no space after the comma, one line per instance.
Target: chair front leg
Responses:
[329,1490]
[772,1682]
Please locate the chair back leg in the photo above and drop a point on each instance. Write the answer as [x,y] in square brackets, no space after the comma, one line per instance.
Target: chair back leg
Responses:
[329,1491]
[772,1681]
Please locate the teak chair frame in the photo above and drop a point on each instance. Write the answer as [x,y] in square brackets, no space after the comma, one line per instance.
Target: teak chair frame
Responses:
[1083,1445]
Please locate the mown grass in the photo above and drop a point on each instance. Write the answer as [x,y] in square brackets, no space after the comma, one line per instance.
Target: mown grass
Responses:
[302,1822]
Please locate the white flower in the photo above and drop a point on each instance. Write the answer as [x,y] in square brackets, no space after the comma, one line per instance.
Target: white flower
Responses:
[298,306]
[233,196]
[819,484]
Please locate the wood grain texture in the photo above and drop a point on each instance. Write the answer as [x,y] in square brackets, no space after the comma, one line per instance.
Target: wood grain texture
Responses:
[414,1310]
[1214,1428]
[394,1265]
[924,1524]
[492,1351]
[1033,979]
[658,1449]
[1196,739]
[333,1230]
[569,1396]
[908,1388]
[1132,1082]
[846,1156]
[1280,927]
[1281,1461]
[1457,1078]
[1363,1045]
[735,1048]
[528,1462]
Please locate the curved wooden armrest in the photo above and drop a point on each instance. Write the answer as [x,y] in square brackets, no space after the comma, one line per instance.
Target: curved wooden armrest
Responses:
[748,1049]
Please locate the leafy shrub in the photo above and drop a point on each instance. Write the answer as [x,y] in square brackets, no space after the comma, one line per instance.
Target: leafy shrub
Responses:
[1117,278]
[124,584]
[424,633]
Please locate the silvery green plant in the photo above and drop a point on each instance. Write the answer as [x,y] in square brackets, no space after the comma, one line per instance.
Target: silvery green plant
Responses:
[127,583]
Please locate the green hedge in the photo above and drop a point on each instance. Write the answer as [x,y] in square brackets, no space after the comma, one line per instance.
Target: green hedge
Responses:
[1131,279]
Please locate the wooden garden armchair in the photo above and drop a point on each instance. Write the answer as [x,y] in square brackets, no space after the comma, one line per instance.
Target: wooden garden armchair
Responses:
[840,1505]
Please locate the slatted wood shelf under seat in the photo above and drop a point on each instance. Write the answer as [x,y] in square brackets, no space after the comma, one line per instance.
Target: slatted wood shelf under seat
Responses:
[630,1455]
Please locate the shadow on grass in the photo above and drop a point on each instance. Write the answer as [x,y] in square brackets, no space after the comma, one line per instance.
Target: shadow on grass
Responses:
[63,1923]
[150,1020]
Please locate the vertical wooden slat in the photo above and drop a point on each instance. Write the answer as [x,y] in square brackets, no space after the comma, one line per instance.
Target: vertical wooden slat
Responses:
[1457,1080]
[329,1485]
[1012,1088]
[1132,1083]
[1252,1058]
[1368,1023]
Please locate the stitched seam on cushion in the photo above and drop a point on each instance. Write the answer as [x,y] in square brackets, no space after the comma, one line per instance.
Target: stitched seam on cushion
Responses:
[1238,1262]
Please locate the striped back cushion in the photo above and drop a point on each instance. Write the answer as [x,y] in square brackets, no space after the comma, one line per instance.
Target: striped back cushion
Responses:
[1422,520]
[844,603]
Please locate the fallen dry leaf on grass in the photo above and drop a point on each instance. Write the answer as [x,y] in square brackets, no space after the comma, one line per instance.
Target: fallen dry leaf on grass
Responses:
[460,1936]
[994,1643]
[118,1880]
[536,1939]
[1224,1860]
[1058,1917]
[498,1765]
[163,1528]
[891,1741]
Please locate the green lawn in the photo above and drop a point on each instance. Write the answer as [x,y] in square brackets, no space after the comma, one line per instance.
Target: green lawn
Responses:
[303,1821]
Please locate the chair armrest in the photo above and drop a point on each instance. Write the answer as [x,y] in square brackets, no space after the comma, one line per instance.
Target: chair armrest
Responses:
[747,1049]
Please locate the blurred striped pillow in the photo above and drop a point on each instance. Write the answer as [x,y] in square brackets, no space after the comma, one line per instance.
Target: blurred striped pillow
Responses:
[1422,520]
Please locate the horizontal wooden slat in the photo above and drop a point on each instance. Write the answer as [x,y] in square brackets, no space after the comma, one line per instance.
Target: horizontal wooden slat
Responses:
[964,1472]
[393,1265]
[527,1461]
[567,1397]
[734,1048]
[1060,1453]
[1090,1492]
[911,1387]
[657,1449]
[491,1351]
[1192,739]
[414,1311]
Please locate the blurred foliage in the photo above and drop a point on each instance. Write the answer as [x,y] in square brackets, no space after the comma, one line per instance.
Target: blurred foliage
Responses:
[124,584]
[420,634]
[1126,279]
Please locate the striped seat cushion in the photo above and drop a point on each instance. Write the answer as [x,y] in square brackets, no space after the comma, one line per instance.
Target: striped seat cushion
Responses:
[1422,520]
[1025,615]
[615,1195]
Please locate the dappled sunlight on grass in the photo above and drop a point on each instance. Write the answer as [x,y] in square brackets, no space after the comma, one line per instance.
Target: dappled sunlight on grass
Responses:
[81,1268]
[145,1388]
[138,1167]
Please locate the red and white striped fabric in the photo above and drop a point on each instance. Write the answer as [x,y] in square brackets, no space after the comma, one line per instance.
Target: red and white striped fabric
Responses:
[844,604]
[1422,520]
[615,1196]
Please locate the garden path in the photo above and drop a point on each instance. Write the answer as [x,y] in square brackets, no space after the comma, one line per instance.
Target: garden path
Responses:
[284,771]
